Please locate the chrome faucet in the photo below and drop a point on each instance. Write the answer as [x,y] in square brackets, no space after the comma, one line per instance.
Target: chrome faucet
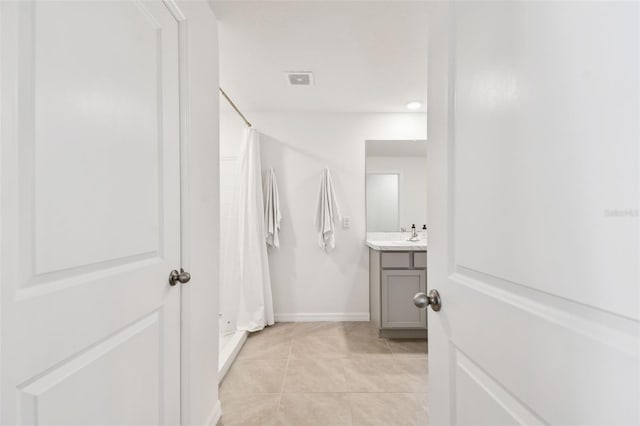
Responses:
[414,233]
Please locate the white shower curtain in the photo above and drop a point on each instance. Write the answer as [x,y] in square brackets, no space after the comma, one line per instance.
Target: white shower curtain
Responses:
[256,304]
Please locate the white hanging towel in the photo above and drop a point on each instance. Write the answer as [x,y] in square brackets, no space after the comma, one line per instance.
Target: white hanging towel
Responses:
[272,215]
[327,213]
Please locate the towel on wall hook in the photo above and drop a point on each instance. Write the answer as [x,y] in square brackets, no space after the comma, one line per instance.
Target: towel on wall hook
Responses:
[272,215]
[327,213]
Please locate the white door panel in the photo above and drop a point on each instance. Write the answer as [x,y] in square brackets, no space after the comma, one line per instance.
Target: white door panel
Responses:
[546,143]
[109,123]
[562,362]
[90,213]
[104,382]
[487,403]
[534,235]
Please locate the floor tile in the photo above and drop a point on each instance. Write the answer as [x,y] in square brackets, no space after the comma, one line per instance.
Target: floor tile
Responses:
[414,365]
[384,375]
[370,375]
[277,331]
[249,410]
[319,346]
[314,376]
[254,376]
[326,374]
[265,348]
[423,400]
[320,329]
[409,347]
[387,409]
[317,409]
[366,346]
[363,328]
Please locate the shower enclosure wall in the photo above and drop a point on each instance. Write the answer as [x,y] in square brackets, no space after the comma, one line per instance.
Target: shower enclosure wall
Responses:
[231,133]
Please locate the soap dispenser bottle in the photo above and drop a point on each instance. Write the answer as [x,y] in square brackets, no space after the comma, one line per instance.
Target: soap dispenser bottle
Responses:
[424,232]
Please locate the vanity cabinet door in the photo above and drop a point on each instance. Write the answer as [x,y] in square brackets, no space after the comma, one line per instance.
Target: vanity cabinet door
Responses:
[398,288]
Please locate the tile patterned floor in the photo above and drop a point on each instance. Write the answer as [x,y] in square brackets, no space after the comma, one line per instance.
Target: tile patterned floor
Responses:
[326,374]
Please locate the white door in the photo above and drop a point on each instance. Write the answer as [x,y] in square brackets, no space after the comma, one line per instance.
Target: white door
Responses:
[533,211]
[90,205]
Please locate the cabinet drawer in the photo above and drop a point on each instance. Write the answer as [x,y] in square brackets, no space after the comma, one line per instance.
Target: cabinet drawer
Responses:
[419,259]
[396,260]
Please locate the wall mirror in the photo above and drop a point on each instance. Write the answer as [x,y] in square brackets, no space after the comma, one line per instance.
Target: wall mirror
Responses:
[396,184]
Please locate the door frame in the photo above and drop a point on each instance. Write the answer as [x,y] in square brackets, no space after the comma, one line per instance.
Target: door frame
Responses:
[199,208]
[440,106]
[183,94]
[185,210]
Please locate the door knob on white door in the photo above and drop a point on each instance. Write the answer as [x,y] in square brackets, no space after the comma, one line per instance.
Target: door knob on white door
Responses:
[421,300]
[182,276]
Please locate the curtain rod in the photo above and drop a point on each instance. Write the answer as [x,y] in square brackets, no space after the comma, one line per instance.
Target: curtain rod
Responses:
[234,106]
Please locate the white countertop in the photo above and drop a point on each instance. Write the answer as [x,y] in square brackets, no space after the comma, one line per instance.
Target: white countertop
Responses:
[398,245]
[396,241]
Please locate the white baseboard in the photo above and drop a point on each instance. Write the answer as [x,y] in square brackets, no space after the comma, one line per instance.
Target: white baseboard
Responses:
[303,317]
[215,416]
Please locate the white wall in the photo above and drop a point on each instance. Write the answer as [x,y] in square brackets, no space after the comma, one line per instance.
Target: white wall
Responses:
[413,186]
[308,283]
[231,132]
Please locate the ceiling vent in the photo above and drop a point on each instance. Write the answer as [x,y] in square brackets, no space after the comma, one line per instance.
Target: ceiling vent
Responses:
[299,78]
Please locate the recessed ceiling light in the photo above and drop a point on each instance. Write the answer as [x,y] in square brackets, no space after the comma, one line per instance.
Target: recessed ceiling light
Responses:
[413,105]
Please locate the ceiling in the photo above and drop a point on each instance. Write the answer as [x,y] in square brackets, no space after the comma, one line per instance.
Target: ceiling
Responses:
[381,148]
[365,56]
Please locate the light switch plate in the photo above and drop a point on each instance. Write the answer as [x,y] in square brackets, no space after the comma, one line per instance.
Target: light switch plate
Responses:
[346,222]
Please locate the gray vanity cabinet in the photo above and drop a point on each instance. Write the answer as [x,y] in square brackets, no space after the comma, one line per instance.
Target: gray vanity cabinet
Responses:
[395,277]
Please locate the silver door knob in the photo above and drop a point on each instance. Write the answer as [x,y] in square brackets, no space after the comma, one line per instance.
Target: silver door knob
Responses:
[182,277]
[421,300]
